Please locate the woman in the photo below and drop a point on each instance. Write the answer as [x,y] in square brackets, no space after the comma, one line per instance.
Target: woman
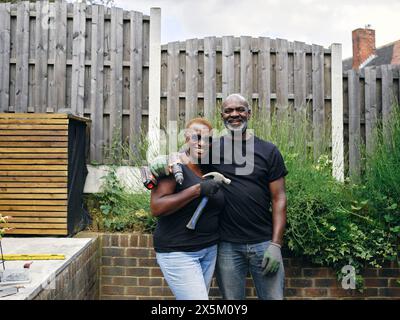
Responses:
[187,257]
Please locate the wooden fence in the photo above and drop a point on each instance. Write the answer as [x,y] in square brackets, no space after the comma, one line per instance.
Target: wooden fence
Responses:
[92,61]
[272,74]
[368,98]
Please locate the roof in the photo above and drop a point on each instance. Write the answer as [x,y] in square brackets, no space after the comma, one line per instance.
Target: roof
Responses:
[383,55]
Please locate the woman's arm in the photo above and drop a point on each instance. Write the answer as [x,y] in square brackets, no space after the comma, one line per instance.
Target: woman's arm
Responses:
[164,201]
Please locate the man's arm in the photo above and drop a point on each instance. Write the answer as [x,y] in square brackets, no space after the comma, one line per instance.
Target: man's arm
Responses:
[278,197]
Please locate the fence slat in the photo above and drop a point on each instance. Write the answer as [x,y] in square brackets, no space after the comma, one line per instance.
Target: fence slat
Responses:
[318,102]
[246,70]
[5,30]
[371,114]
[41,49]
[78,59]
[97,83]
[116,74]
[210,66]
[228,66]
[136,79]
[354,126]
[299,77]
[192,76]
[282,76]
[387,95]
[22,54]
[60,62]
[173,85]
[264,78]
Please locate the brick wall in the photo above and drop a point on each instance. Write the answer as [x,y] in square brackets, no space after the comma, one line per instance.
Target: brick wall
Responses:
[79,280]
[129,271]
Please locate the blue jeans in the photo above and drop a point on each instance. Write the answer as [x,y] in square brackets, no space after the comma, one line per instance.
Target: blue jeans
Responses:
[233,264]
[189,274]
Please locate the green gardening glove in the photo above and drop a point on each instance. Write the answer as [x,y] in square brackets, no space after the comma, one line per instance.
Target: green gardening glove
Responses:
[159,166]
[272,259]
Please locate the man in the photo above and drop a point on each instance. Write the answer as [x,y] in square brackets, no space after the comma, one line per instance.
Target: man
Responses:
[253,220]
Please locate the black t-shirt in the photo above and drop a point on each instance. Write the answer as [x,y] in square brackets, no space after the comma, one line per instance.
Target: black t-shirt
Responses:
[171,233]
[247,215]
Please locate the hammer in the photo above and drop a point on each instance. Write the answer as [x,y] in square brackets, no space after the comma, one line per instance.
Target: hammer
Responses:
[196,215]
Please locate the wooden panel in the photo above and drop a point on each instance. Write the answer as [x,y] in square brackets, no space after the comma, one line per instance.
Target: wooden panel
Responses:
[318,104]
[38,231]
[210,65]
[37,219]
[136,80]
[33,150]
[59,214]
[35,173]
[34,115]
[5,36]
[33,132]
[246,70]
[33,144]
[22,54]
[282,77]
[42,196]
[34,202]
[33,121]
[354,126]
[299,77]
[264,80]
[115,133]
[34,138]
[33,167]
[173,83]
[228,66]
[32,179]
[192,66]
[387,96]
[32,127]
[60,67]
[31,187]
[41,55]
[39,188]
[371,112]
[34,156]
[78,58]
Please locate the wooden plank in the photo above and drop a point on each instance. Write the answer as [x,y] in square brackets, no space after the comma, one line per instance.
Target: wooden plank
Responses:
[33,115]
[16,207]
[354,126]
[371,112]
[33,127]
[34,156]
[38,232]
[22,55]
[387,97]
[116,76]
[34,138]
[97,84]
[282,76]
[173,91]
[31,214]
[60,61]
[41,55]
[192,65]
[246,70]
[33,144]
[37,219]
[33,150]
[35,173]
[264,79]
[136,81]
[228,66]
[337,112]
[45,189]
[30,186]
[318,103]
[33,167]
[37,225]
[300,94]
[5,38]
[33,161]
[33,121]
[78,59]
[210,81]
[34,202]
[42,196]
[33,179]
[33,132]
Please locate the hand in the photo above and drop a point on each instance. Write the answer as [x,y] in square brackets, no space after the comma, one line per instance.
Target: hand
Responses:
[272,259]
[159,167]
[209,187]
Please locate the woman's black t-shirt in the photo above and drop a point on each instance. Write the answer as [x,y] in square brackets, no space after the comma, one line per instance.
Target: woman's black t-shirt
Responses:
[171,233]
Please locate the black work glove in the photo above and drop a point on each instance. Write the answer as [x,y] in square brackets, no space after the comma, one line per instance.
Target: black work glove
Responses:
[209,187]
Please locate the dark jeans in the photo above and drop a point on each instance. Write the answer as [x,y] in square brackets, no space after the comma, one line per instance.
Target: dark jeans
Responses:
[233,264]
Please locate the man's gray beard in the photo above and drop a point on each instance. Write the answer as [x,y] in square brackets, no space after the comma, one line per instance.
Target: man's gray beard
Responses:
[236,130]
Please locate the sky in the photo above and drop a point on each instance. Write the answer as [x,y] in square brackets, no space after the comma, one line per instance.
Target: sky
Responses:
[310,21]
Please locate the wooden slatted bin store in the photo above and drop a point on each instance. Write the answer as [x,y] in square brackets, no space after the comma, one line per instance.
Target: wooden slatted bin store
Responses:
[42,173]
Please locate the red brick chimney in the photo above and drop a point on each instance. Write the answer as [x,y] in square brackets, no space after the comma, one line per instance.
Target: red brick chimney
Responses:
[363,45]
